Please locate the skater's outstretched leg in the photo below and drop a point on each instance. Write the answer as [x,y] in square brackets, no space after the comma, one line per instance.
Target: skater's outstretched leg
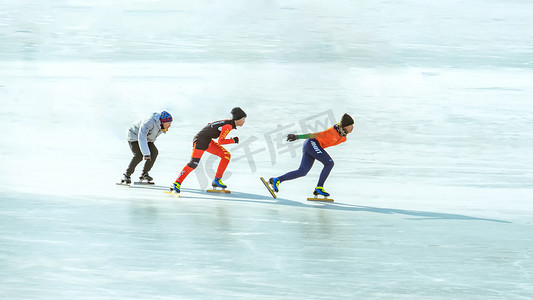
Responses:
[305,166]
[193,163]
[308,159]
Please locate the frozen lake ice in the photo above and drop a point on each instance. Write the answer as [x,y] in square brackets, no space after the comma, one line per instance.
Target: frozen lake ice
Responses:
[432,189]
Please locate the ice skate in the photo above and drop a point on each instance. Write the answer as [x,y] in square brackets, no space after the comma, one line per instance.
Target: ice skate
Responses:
[275,184]
[270,190]
[175,189]
[216,184]
[126,180]
[319,191]
[145,179]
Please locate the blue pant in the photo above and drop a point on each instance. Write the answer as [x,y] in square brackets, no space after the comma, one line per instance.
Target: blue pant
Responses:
[311,151]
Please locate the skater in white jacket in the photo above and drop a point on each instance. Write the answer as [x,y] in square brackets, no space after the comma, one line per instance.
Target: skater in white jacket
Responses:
[141,137]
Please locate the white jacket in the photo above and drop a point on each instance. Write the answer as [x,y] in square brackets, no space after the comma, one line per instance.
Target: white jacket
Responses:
[145,131]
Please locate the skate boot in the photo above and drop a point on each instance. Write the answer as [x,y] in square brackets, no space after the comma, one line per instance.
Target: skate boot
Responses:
[147,178]
[320,191]
[218,183]
[275,184]
[175,187]
[126,179]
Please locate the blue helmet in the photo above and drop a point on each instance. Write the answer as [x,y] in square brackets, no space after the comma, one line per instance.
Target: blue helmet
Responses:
[165,117]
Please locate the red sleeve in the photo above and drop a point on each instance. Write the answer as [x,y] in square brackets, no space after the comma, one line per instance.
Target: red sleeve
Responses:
[223,133]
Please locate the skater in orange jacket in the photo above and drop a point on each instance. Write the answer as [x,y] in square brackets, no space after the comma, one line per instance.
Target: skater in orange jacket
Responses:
[203,141]
[313,149]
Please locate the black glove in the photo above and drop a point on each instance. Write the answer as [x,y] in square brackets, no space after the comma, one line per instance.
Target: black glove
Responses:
[292,137]
[236,140]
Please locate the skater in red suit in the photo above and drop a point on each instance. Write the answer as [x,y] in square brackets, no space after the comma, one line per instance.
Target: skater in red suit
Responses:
[203,141]
[313,149]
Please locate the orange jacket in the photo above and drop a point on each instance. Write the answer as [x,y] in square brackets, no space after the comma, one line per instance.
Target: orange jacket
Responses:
[329,137]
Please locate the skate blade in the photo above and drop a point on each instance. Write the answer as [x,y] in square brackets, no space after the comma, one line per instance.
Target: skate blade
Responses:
[320,199]
[144,183]
[174,194]
[268,187]
[224,191]
[122,183]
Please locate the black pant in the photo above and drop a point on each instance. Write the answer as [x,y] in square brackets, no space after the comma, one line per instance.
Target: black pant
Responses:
[138,157]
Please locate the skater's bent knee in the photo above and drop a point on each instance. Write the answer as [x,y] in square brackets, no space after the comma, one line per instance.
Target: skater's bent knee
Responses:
[193,163]
[329,164]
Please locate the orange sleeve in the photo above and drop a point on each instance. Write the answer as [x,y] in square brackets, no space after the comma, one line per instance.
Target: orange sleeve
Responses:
[223,133]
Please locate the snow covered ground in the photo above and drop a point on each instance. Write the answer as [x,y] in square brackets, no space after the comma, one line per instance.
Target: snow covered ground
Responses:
[433,189]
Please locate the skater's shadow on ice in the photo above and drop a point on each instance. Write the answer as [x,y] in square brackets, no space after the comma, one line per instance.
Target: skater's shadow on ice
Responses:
[255,198]
[416,215]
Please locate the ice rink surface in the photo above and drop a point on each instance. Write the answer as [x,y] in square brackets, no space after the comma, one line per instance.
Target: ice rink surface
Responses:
[433,189]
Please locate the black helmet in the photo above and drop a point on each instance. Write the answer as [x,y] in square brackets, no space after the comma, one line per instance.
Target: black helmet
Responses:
[346,120]
[237,113]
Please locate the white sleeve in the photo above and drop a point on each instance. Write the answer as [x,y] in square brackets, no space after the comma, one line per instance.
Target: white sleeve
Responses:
[144,130]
